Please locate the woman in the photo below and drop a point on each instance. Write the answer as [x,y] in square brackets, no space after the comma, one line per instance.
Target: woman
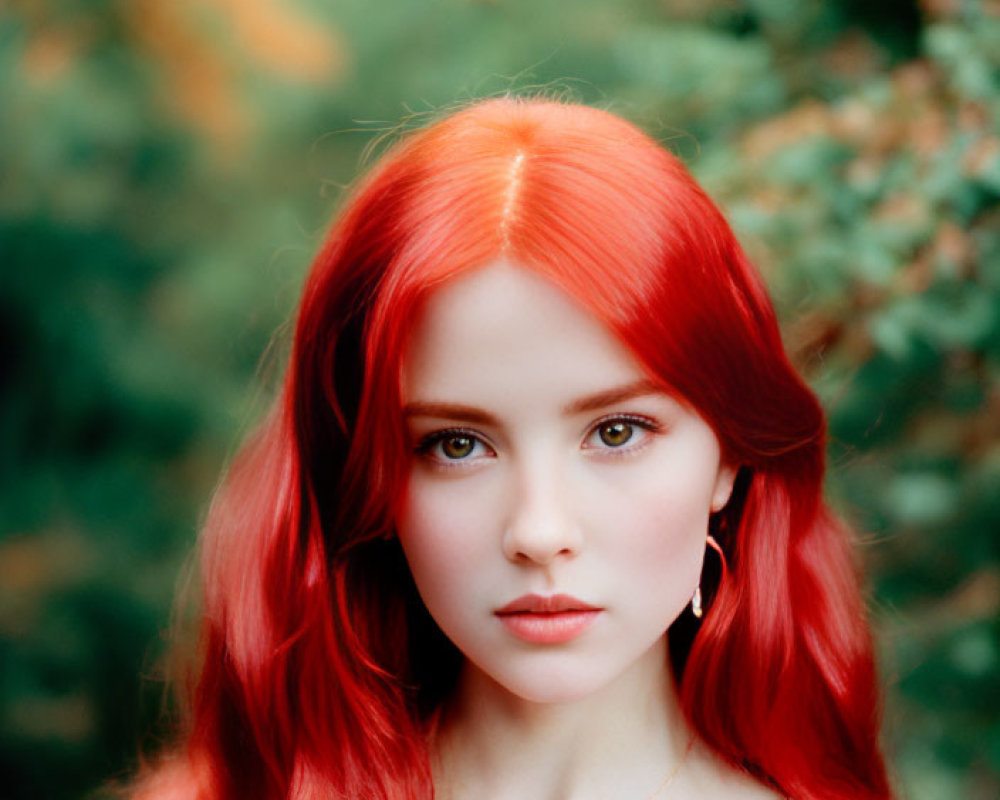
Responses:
[538,513]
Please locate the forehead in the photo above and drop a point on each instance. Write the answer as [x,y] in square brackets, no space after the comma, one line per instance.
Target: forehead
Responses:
[504,330]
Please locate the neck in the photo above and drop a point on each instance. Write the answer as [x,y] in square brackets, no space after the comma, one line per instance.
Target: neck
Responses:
[619,741]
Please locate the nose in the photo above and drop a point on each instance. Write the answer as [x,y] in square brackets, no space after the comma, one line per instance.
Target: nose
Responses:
[541,526]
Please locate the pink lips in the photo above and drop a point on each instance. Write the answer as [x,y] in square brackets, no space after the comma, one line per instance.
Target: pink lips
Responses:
[547,620]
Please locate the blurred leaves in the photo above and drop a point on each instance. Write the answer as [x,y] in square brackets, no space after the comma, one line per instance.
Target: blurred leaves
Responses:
[168,171]
[875,219]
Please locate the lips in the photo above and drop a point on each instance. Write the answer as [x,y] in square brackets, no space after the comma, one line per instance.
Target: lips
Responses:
[547,620]
[536,604]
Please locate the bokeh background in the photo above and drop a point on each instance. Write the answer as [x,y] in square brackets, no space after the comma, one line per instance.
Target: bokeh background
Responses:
[167,170]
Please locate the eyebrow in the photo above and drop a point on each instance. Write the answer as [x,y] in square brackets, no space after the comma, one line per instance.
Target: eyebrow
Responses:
[591,402]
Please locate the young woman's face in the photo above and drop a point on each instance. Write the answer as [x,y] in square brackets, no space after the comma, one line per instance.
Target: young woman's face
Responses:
[557,506]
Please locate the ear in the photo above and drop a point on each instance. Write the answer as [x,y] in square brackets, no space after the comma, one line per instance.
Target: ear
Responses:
[723,486]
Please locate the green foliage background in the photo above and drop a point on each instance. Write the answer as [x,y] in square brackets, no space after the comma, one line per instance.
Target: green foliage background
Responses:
[167,171]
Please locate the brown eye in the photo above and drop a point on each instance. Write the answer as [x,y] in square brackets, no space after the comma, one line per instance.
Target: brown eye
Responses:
[456,447]
[615,434]
[453,448]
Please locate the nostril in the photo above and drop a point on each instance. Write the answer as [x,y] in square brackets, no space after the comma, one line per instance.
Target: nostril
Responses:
[541,525]
[541,546]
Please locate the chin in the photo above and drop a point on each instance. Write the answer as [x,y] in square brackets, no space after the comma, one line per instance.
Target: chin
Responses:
[536,684]
[555,695]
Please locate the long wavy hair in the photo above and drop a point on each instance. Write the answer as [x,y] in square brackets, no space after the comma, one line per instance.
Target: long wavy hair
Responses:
[319,665]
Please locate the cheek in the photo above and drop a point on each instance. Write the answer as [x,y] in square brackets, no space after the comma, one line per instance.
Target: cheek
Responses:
[440,531]
[656,523]
[663,556]
[654,508]
[664,535]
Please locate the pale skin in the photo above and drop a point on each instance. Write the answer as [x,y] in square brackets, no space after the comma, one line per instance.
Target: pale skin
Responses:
[546,461]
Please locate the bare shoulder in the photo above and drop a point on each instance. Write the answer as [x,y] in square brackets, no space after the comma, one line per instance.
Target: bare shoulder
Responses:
[717,779]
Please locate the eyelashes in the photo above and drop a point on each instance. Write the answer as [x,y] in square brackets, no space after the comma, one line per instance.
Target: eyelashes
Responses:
[613,436]
[453,445]
[617,433]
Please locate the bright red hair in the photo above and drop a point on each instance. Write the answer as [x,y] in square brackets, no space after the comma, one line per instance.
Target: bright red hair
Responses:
[319,663]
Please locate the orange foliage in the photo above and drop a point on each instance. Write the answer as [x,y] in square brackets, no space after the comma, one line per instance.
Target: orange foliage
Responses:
[282,41]
[202,71]
[50,54]
[199,80]
[202,76]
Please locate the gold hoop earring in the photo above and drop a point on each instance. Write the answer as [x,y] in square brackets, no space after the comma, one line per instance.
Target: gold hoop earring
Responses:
[696,607]
[710,540]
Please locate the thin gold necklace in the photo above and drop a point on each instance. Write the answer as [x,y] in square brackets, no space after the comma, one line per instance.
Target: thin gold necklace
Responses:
[673,773]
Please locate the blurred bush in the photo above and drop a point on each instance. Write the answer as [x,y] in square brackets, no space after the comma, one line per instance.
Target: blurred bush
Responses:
[168,170]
